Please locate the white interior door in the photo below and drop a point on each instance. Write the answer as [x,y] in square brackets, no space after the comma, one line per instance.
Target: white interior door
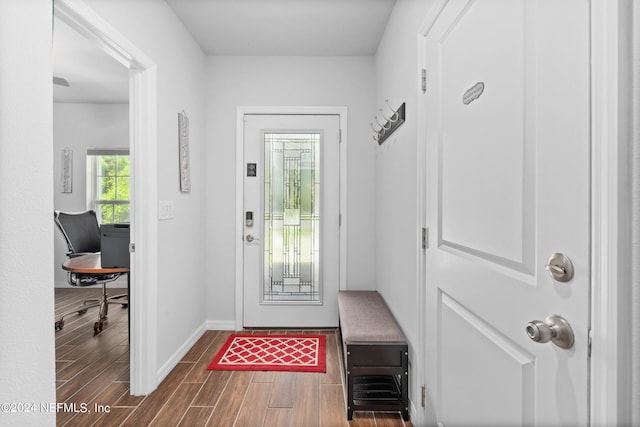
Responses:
[508,184]
[291,220]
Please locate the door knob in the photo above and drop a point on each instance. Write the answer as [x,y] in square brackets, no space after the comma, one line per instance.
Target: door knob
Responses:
[249,238]
[554,328]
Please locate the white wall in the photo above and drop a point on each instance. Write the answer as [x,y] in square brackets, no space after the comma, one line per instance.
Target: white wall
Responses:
[154,29]
[397,212]
[81,126]
[634,396]
[285,81]
[27,369]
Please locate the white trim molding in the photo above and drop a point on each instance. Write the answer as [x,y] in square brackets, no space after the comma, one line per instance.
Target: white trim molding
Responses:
[425,410]
[610,88]
[221,325]
[241,111]
[180,353]
[144,198]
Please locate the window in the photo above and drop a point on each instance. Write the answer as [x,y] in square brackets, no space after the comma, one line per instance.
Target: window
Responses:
[108,184]
[292,216]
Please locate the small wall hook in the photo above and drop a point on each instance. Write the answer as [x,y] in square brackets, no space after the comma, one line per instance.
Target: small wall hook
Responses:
[389,119]
[382,125]
[394,116]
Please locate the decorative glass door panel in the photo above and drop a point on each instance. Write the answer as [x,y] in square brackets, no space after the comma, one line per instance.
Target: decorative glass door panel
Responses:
[291,217]
[291,220]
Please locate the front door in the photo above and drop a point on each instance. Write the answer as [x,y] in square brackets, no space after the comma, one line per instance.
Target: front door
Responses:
[291,220]
[508,185]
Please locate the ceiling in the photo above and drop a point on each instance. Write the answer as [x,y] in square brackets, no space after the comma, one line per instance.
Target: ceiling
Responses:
[93,76]
[229,27]
[285,27]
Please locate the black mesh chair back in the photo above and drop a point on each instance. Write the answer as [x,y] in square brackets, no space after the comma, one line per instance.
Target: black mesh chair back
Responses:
[80,230]
[82,234]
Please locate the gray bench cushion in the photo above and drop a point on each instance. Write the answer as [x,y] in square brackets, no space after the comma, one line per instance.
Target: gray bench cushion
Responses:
[365,318]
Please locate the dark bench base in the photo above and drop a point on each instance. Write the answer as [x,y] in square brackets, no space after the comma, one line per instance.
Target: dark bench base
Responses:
[377,378]
[375,354]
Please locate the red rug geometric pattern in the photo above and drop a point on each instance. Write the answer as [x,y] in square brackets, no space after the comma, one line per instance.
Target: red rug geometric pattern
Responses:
[301,353]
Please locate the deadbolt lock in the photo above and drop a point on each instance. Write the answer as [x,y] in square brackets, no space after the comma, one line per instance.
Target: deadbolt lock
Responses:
[560,267]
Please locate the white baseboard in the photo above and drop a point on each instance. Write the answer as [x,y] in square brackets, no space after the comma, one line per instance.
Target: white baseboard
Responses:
[168,366]
[218,325]
[221,325]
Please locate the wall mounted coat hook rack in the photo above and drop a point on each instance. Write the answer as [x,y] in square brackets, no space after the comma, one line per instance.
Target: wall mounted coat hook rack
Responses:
[390,124]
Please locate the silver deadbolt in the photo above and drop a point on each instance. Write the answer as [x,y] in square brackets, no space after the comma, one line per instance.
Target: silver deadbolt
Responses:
[554,328]
[560,267]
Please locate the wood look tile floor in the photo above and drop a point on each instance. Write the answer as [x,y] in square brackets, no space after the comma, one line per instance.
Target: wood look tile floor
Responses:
[92,376]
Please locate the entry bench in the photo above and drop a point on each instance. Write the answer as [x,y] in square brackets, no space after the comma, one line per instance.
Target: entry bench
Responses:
[375,355]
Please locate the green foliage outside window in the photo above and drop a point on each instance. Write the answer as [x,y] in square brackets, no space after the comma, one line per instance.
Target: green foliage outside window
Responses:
[113,188]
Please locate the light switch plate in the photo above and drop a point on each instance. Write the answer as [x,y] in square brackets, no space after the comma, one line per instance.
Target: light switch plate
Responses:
[165,209]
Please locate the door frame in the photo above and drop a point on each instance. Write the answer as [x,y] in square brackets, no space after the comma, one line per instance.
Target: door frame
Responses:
[144,197]
[241,111]
[611,87]
[609,380]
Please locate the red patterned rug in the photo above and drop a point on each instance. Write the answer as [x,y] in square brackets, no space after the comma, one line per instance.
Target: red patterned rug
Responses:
[301,353]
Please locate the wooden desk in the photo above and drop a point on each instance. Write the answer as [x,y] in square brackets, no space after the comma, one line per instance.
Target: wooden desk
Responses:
[91,264]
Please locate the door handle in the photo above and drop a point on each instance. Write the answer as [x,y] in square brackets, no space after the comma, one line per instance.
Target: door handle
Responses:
[249,238]
[554,328]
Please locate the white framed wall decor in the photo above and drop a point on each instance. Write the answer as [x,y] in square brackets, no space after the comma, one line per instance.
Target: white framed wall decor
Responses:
[183,138]
[67,170]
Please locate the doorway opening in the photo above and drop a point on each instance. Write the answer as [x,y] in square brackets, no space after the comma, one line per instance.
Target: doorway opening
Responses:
[142,140]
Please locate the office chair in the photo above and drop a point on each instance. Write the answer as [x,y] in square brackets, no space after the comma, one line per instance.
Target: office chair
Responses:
[82,234]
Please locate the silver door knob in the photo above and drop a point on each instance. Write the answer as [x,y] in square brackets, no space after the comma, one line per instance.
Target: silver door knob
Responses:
[554,328]
[249,238]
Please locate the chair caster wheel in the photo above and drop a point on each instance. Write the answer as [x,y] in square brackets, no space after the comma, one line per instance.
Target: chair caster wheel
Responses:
[82,311]
[125,305]
[97,328]
[59,325]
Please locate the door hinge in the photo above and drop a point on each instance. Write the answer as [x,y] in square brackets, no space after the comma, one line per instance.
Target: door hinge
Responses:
[424,396]
[339,220]
[132,247]
[424,80]
[589,344]
[425,238]
[339,136]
